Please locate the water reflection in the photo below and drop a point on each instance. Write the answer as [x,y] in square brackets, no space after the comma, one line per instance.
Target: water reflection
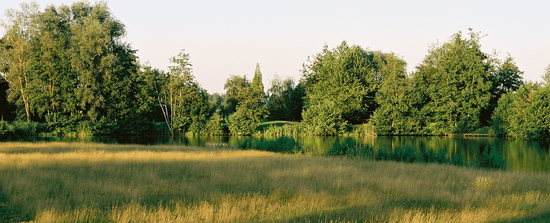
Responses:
[526,155]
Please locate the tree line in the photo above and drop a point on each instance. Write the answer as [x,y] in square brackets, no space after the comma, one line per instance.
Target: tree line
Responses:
[68,68]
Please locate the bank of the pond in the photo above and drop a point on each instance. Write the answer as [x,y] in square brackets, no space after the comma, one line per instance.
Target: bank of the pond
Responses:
[489,159]
[520,154]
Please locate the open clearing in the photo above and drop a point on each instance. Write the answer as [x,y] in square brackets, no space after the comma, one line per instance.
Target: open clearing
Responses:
[85,182]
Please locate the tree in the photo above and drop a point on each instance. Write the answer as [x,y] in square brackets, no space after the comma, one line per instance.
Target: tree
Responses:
[16,46]
[546,76]
[395,97]
[347,75]
[323,118]
[189,109]
[280,100]
[237,89]
[455,82]
[69,62]
[505,77]
[524,113]
[251,108]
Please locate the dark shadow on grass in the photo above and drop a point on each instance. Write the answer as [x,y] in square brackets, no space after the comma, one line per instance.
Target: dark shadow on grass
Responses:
[373,212]
[10,213]
[534,218]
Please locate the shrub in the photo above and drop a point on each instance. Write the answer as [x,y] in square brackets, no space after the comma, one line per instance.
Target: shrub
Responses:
[405,154]
[428,156]
[242,122]
[246,144]
[351,148]
[382,154]
[490,159]
[458,160]
[280,145]
[323,118]
[442,157]
[20,130]
[215,126]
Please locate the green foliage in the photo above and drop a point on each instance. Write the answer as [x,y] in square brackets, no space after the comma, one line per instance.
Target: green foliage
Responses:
[524,113]
[490,159]
[505,77]
[215,126]
[348,76]
[409,154]
[243,122]
[430,156]
[405,154]
[454,84]
[237,89]
[323,118]
[190,108]
[285,100]
[10,131]
[283,130]
[396,99]
[546,76]
[458,160]
[351,148]
[251,108]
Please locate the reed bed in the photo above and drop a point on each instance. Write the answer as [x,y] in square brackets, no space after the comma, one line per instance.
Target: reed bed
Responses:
[84,182]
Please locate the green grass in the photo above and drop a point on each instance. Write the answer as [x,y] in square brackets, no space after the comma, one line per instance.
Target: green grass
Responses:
[482,130]
[86,182]
[264,125]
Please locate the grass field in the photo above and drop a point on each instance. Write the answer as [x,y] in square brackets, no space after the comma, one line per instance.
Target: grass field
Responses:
[84,182]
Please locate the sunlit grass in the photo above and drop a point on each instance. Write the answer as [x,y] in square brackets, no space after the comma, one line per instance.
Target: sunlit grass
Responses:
[85,182]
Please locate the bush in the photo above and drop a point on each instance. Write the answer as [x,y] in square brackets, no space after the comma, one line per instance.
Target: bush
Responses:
[442,157]
[246,144]
[242,122]
[285,130]
[20,130]
[490,159]
[324,118]
[458,160]
[427,156]
[215,126]
[280,145]
[382,154]
[405,154]
[351,148]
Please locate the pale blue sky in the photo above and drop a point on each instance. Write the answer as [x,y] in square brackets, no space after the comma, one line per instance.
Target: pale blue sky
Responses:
[230,37]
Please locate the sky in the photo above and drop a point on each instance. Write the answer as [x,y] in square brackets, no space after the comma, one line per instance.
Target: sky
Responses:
[231,37]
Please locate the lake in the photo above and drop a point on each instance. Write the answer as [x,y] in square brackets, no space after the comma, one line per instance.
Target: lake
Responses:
[524,155]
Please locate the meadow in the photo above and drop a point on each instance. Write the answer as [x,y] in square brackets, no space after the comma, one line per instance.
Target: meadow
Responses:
[89,182]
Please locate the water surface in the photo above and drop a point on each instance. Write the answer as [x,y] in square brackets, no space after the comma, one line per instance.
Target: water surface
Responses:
[524,155]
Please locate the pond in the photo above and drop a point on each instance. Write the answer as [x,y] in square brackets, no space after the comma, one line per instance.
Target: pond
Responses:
[524,155]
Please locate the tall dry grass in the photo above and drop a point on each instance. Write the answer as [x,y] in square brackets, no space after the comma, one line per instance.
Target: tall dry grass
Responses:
[79,182]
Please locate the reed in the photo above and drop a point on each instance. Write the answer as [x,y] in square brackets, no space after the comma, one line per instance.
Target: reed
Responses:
[86,182]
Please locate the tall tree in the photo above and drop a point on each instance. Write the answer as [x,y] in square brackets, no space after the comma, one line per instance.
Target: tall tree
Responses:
[189,106]
[347,75]
[251,108]
[237,89]
[395,97]
[524,113]
[69,64]
[16,50]
[455,80]
[546,75]
[279,100]
[505,77]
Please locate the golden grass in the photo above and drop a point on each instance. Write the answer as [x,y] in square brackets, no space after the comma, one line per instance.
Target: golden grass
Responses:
[83,182]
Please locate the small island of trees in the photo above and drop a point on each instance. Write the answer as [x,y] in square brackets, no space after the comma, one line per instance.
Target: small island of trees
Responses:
[66,70]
